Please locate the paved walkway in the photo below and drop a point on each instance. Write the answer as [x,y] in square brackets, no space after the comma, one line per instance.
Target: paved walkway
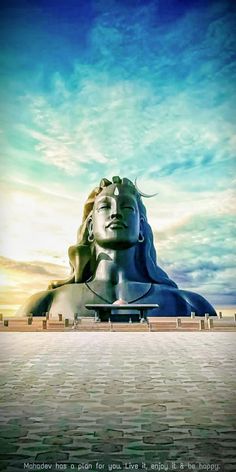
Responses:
[118,401]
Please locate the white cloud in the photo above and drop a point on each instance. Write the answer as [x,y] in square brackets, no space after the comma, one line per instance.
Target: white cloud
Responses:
[38,224]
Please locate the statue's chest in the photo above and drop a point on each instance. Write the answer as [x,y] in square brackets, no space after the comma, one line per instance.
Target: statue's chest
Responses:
[129,292]
[72,298]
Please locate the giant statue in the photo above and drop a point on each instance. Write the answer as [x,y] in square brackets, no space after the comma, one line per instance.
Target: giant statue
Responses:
[114,259]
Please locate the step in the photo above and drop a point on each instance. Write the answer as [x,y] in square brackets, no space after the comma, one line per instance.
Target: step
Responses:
[129,327]
[55,324]
[189,325]
[162,325]
[93,327]
[17,322]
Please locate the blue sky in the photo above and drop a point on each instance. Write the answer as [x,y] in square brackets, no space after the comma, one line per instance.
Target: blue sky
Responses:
[132,88]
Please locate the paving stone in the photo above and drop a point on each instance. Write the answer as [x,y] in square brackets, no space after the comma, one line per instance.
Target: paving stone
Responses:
[107,447]
[57,441]
[154,439]
[227,436]
[13,432]
[34,449]
[157,427]
[52,456]
[204,433]
[110,433]
[8,457]
[6,447]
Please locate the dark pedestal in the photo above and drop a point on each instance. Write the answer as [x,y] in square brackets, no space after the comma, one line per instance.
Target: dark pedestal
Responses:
[121,313]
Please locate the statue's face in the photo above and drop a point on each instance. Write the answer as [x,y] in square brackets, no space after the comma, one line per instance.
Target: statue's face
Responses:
[115,219]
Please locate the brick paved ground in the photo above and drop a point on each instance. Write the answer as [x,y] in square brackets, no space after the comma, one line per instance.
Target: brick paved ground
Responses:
[163,399]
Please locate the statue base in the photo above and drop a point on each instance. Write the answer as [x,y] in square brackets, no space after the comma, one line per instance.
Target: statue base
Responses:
[123,313]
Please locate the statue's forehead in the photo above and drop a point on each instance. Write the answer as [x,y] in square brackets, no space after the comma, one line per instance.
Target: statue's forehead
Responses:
[115,190]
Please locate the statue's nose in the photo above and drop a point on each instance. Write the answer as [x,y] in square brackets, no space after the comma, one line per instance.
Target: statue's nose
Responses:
[116,213]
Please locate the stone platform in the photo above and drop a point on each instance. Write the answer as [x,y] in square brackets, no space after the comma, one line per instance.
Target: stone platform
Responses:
[118,401]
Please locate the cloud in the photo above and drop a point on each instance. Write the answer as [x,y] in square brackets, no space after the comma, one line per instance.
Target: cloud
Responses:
[33,267]
[198,256]
[20,279]
[39,223]
[146,92]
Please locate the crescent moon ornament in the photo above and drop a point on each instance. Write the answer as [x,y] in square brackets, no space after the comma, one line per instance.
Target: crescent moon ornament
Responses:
[145,195]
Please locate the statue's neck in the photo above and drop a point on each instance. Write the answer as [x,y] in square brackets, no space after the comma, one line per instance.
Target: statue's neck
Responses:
[117,266]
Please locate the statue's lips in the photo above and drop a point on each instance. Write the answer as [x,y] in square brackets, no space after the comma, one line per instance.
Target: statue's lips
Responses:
[116,225]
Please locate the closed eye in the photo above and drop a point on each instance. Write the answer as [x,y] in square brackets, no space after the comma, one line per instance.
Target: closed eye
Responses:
[103,207]
[128,207]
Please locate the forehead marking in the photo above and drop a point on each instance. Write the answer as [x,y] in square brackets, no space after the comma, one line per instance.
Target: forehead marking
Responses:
[116,191]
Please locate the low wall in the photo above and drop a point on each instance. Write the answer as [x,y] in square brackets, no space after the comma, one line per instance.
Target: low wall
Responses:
[89,324]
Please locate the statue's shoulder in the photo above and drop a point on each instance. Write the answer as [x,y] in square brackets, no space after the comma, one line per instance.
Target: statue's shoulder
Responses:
[37,304]
[198,303]
[176,302]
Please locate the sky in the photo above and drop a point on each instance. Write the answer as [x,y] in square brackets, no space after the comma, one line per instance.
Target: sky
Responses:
[140,89]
